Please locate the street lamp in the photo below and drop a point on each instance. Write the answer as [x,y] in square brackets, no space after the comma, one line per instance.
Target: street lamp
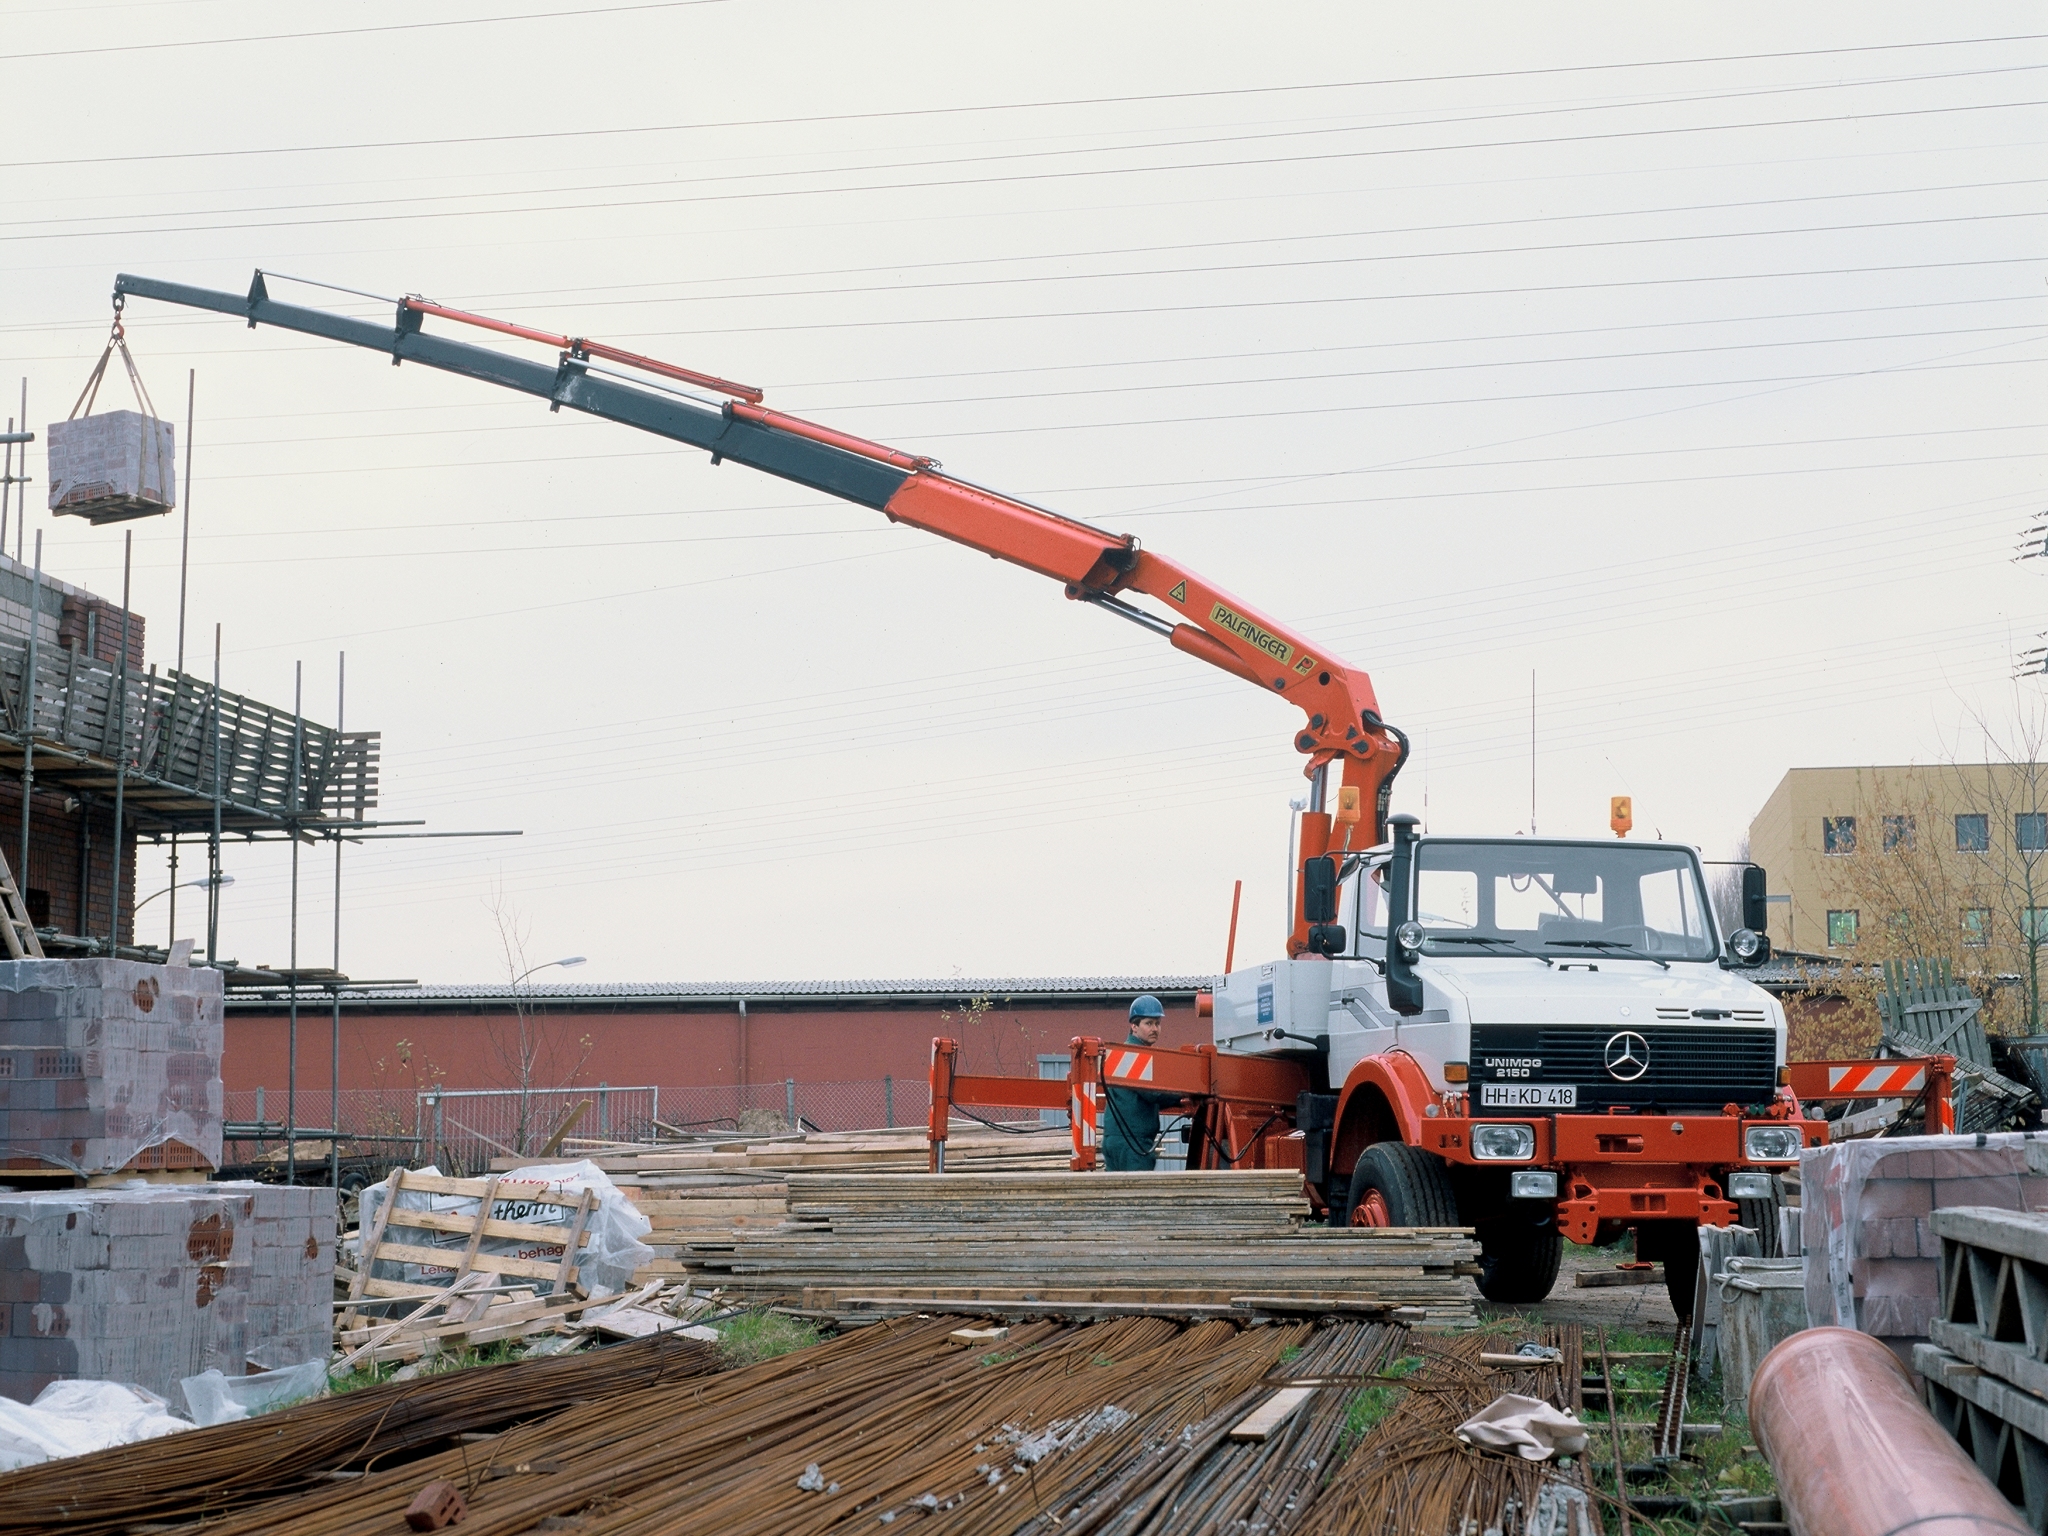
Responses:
[544,965]
[526,1044]
[210,882]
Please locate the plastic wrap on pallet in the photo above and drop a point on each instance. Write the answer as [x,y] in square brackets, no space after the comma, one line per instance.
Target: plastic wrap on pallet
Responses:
[152,1283]
[1872,1259]
[109,1065]
[117,463]
[613,1244]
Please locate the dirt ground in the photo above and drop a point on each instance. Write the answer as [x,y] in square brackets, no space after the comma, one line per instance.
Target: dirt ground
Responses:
[1641,1308]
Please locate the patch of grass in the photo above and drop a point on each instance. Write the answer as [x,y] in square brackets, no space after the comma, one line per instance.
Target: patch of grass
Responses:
[1290,1354]
[437,1365]
[1375,1402]
[755,1336]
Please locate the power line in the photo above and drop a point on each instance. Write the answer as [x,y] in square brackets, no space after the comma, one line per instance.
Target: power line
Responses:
[1256,163]
[1235,138]
[579,296]
[1229,382]
[1052,104]
[402,26]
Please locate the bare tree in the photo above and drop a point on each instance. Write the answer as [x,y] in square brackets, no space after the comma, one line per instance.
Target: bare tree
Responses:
[1954,866]
[530,1057]
[2010,790]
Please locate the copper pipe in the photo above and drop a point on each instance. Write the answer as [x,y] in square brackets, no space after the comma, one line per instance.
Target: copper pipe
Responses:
[1854,1451]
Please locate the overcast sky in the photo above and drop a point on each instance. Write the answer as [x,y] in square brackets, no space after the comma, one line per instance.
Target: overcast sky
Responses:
[1692,362]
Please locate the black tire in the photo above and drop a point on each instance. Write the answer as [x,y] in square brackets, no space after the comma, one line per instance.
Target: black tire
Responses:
[1518,1260]
[1680,1254]
[1762,1217]
[1414,1187]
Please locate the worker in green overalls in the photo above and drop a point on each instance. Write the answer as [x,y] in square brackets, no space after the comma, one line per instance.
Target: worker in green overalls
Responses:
[1130,1120]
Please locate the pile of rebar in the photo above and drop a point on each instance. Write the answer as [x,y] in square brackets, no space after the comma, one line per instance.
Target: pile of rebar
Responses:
[1131,1427]
[1411,1476]
[202,1473]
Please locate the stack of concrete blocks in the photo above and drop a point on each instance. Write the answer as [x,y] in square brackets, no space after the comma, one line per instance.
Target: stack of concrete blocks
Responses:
[1872,1258]
[151,1283]
[109,1066]
[115,463]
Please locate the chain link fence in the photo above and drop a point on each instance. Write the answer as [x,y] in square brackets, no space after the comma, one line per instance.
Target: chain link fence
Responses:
[462,1130]
[378,1125]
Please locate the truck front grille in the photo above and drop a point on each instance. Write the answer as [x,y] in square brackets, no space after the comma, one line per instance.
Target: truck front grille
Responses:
[1695,1067]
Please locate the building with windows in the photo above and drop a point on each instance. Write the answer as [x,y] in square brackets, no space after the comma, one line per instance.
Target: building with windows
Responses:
[1932,860]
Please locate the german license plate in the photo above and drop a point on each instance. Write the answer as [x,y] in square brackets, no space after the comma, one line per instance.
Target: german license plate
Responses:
[1528,1095]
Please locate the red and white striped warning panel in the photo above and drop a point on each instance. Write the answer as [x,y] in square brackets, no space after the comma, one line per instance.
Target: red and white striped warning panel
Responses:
[1871,1078]
[1127,1066]
[1083,1110]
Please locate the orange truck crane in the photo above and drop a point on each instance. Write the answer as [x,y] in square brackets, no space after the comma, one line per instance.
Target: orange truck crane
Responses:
[1540,1039]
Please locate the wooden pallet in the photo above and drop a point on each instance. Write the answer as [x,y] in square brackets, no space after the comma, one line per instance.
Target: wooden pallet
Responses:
[383,1243]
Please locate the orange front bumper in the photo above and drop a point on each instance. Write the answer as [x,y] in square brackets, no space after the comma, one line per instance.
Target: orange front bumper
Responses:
[1628,1168]
[1607,1192]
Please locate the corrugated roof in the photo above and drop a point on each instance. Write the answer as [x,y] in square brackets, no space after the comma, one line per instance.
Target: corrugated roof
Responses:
[1000,987]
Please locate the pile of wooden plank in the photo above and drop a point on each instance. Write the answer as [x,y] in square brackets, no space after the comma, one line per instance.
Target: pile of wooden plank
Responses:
[719,1189]
[970,1147]
[1192,1244]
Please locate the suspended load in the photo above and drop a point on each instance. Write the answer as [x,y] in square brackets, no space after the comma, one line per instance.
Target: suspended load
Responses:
[117,465]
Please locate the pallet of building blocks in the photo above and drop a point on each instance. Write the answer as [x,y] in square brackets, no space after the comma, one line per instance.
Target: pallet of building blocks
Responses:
[1872,1256]
[151,1283]
[109,1065]
[113,466]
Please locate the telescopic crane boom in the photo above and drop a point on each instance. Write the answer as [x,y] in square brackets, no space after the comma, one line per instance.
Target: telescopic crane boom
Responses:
[1342,722]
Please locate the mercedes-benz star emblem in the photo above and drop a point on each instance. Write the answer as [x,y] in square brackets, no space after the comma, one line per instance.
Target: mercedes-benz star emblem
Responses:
[1627,1056]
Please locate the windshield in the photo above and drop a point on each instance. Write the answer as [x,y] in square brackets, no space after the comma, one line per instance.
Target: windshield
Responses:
[1559,899]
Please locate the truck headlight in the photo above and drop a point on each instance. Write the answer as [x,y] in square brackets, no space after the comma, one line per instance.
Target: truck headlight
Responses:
[1409,936]
[1751,1186]
[1532,1184]
[1503,1143]
[1771,1143]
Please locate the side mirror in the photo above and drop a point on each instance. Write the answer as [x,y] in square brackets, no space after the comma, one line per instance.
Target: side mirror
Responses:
[1404,987]
[1319,890]
[1756,907]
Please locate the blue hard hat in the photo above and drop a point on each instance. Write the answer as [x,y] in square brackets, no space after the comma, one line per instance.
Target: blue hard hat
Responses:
[1146,1007]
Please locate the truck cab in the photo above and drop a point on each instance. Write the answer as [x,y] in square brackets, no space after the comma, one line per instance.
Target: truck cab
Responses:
[1542,1039]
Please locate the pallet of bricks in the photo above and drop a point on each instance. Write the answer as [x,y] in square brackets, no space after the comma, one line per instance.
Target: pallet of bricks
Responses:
[1986,1365]
[857,1248]
[1868,1210]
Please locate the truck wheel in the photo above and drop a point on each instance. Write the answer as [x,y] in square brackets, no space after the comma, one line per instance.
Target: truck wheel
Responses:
[1394,1185]
[1518,1260]
[1762,1217]
[1675,1245]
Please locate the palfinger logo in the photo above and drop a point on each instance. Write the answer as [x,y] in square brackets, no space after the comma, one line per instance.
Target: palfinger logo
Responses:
[1251,634]
[1627,1056]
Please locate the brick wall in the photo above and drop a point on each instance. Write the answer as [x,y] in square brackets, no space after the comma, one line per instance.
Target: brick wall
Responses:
[63,843]
[93,625]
